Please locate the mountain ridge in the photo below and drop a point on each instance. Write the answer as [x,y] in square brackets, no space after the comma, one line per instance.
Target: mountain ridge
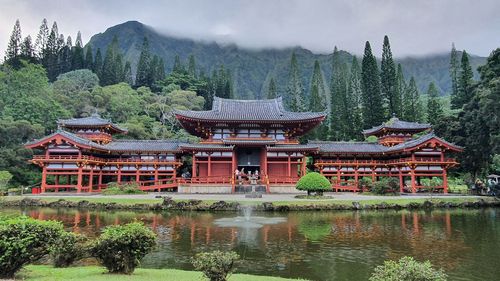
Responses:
[252,68]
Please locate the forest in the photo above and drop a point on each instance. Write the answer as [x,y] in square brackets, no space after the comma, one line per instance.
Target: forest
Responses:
[52,78]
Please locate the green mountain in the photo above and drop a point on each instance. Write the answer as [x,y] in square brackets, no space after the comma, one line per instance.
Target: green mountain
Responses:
[252,69]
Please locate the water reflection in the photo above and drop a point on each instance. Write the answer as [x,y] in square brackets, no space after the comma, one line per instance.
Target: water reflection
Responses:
[319,245]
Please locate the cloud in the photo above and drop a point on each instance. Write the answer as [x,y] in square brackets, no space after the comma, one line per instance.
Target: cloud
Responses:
[414,27]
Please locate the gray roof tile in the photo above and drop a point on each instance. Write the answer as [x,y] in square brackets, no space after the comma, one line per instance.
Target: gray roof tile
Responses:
[396,124]
[93,120]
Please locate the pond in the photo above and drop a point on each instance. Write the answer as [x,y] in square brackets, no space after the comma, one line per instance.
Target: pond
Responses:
[312,245]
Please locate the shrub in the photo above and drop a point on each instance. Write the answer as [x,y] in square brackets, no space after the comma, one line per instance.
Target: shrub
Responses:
[407,269]
[385,185]
[24,240]
[70,247]
[122,188]
[120,248]
[216,265]
[365,182]
[314,182]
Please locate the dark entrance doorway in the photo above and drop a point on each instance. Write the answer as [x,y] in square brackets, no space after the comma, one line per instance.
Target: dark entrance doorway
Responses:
[249,159]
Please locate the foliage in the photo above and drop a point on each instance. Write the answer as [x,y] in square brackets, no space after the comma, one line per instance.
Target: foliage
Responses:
[24,240]
[216,265]
[365,182]
[70,247]
[122,188]
[373,111]
[295,90]
[120,248]
[407,269]
[313,182]
[434,106]
[5,177]
[385,185]
[495,163]
[372,139]
[388,80]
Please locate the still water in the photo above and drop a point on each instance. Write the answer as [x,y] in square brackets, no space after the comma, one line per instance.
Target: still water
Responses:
[316,246]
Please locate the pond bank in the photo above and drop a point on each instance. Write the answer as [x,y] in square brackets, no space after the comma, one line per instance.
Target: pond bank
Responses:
[94,273]
[167,203]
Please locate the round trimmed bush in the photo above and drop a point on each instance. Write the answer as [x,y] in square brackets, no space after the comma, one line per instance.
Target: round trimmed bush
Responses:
[120,248]
[70,247]
[216,265]
[407,269]
[25,240]
[314,182]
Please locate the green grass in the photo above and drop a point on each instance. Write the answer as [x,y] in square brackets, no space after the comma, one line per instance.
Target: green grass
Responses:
[94,273]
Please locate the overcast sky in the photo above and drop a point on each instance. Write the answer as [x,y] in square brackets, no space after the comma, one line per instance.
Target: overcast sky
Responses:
[415,27]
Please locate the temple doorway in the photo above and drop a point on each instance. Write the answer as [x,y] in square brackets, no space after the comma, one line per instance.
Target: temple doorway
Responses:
[249,159]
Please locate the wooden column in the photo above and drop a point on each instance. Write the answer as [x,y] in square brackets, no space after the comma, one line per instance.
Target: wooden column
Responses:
[356,176]
[137,173]
[303,167]
[79,179]
[91,178]
[413,184]
[156,172]
[373,173]
[445,181]
[119,179]
[43,185]
[401,181]
[209,168]
[99,181]
[289,166]
[194,165]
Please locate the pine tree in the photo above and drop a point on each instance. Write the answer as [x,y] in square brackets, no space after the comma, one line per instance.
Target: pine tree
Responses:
[14,46]
[373,111]
[160,70]
[192,66]
[412,109]
[89,60]
[337,98]
[127,73]
[112,67]
[77,60]
[295,90]
[434,107]
[27,49]
[65,58]
[317,102]
[97,65]
[400,89]
[272,90]
[354,99]
[178,67]
[143,76]
[388,80]
[41,40]
[465,81]
[454,71]
[51,56]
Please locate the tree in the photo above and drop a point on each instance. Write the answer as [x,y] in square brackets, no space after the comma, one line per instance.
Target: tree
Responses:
[317,102]
[97,65]
[27,49]
[192,66]
[412,108]
[178,67]
[14,46]
[373,111]
[407,269]
[216,265]
[295,90]
[388,80]
[41,40]
[272,90]
[77,59]
[50,60]
[143,76]
[434,107]
[401,88]
[89,59]
[5,177]
[354,99]
[128,74]
[314,183]
[465,81]
[454,72]
[112,67]
[340,115]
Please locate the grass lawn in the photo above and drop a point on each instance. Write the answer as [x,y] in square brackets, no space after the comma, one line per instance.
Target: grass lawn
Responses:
[94,273]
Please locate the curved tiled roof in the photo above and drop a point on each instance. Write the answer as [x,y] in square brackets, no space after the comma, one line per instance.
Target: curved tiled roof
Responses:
[396,124]
[143,145]
[348,147]
[249,110]
[92,121]
[249,141]
[420,140]
[206,146]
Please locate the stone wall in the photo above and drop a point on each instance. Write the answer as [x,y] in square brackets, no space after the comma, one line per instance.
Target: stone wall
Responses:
[195,188]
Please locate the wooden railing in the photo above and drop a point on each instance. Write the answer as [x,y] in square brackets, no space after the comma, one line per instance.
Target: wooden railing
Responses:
[370,162]
[206,180]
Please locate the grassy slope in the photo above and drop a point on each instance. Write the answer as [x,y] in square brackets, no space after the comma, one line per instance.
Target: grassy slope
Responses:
[93,273]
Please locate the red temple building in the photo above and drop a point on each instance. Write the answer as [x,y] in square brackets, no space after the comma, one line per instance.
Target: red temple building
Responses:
[248,136]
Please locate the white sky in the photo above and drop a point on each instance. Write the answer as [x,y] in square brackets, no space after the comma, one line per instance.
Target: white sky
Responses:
[415,27]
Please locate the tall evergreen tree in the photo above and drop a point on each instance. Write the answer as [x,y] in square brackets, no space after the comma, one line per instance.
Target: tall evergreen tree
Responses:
[272,90]
[178,67]
[143,76]
[112,67]
[454,72]
[317,101]
[192,66]
[294,89]
[89,59]
[77,60]
[412,108]
[389,81]
[127,73]
[373,111]
[27,49]
[14,46]
[65,57]
[465,81]
[97,65]
[50,60]
[354,98]
[42,39]
[434,107]
[401,89]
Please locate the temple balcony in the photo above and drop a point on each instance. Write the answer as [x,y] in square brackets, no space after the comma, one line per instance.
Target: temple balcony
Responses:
[101,161]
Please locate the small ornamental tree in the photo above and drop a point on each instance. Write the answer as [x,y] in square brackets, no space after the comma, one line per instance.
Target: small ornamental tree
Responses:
[407,269]
[120,248]
[386,185]
[216,265]
[314,182]
[25,240]
[70,247]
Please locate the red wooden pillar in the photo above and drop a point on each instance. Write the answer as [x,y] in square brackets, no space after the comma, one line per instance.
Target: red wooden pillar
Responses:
[356,176]
[156,173]
[373,172]
[445,181]
[91,178]
[401,182]
[233,170]
[289,166]
[303,166]
[99,181]
[43,185]
[119,179]
[194,165]
[209,169]
[264,162]
[79,179]
[413,184]
[137,174]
